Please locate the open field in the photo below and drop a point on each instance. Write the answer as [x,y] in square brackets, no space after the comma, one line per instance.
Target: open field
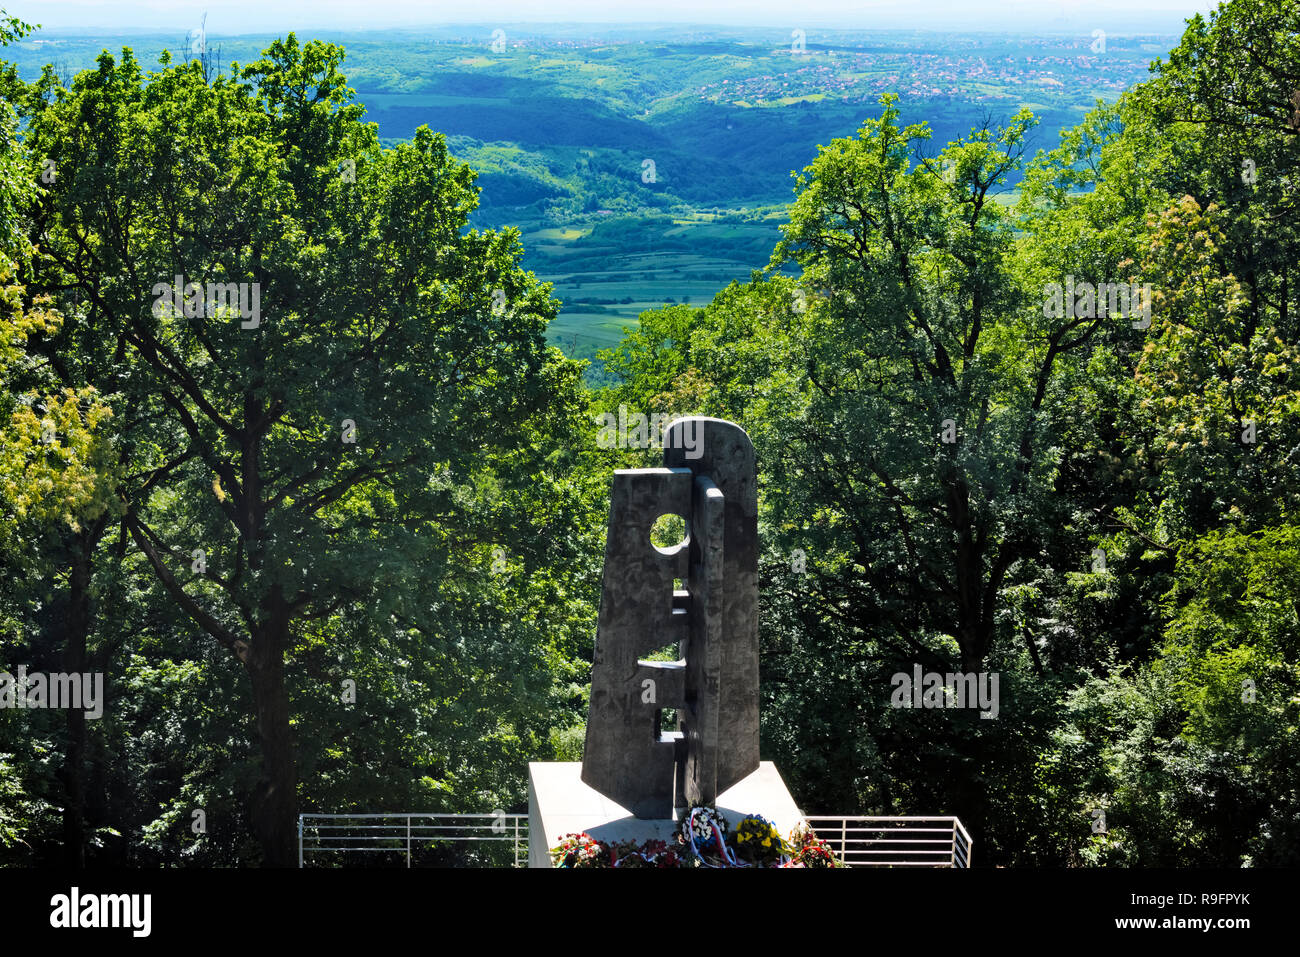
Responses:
[607,276]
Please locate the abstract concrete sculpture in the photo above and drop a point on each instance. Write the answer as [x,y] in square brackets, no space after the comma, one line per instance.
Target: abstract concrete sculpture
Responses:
[709,479]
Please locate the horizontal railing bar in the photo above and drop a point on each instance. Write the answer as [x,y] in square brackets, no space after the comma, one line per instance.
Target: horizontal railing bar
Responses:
[903,836]
[402,831]
[377,839]
[854,850]
[332,841]
[405,816]
[870,817]
[327,841]
[389,827]
[380,850]
[427,840]
[886,841]
[884,828]
[332,848]
[900,854]
[889,840]
[874,835]
[895,831]
[893,828]
[939,864]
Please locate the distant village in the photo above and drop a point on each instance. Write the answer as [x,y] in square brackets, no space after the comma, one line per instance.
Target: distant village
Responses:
[864,76]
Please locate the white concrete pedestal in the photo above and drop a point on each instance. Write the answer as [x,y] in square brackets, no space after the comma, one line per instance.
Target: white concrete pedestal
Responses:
[560,803]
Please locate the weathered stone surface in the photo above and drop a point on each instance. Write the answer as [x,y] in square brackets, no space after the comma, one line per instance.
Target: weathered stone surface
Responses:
[728,460]
[703,647]
[626,757]
[714,621]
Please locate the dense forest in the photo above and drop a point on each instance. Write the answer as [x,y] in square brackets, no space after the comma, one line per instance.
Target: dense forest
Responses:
[333,535]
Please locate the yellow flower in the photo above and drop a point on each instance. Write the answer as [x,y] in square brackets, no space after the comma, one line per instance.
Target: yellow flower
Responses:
[767,842]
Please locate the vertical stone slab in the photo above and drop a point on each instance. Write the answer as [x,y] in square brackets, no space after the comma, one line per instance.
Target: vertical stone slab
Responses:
[723,452]
[703,647]
[625,757]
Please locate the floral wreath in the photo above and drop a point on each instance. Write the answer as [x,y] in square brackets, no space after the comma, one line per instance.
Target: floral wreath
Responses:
[701,840]
[704,832]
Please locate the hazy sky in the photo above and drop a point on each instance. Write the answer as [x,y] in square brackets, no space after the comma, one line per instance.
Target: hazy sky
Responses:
[260,16]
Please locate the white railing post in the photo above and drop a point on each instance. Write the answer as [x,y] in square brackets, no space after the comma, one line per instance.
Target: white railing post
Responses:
[954,842]
[408,841]
[300,840]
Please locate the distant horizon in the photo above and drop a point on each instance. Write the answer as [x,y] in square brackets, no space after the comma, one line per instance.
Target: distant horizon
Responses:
[541,28]
[250,17]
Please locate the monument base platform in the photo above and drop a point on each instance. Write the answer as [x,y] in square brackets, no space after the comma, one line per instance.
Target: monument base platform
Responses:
[560,803]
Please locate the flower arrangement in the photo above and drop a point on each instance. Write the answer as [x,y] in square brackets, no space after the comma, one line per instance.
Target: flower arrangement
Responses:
[648,854]
[702,821]
[702,840]
[759,842]
[581,850]
[703,833]
[809,850]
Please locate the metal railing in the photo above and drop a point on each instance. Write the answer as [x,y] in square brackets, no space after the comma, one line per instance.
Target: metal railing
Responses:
[428,839]
[895,841]
[451,839]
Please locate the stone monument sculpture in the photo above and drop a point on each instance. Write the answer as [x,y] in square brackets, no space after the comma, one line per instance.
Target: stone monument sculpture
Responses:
[713,621]
[635,774]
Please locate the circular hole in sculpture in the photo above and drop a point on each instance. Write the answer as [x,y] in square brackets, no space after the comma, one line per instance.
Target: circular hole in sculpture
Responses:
[668,533]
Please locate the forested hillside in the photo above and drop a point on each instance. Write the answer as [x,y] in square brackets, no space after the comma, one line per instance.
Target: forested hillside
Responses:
[651,166]
[334,540]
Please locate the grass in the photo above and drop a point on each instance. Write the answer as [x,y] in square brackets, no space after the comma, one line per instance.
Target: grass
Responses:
[624,265]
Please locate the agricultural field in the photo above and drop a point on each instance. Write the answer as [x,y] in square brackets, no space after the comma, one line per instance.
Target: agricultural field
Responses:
[608,275]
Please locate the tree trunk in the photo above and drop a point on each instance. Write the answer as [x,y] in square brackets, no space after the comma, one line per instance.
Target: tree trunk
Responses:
[973,633]
[74,663]
[275,802]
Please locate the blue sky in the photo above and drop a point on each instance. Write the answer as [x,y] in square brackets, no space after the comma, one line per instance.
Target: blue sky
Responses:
[260,16]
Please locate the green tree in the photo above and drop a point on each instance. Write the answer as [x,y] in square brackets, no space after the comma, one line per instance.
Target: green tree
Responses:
[58,466]
[314,466]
